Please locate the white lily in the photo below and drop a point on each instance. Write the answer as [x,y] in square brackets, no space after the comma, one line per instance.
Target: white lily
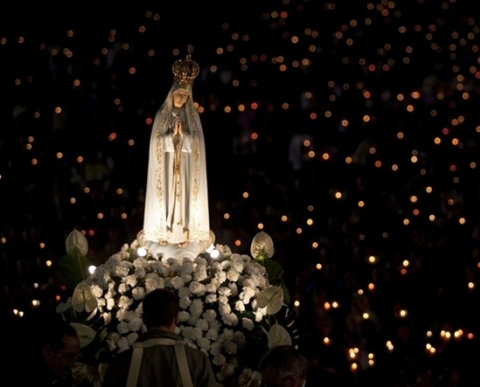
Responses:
[85,333]
[271,298]
[278,335]
[262,245]
[76,240]
[83,298]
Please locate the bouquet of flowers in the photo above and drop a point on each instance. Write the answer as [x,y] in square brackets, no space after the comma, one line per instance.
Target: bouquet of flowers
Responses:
[233,306]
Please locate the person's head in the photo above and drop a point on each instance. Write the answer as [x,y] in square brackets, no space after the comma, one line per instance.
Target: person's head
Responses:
[160,309]
[283,366]
[60,346]
[180,97]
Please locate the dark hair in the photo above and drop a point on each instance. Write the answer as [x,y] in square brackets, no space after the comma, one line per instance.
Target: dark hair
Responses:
[285,360]
[160,307]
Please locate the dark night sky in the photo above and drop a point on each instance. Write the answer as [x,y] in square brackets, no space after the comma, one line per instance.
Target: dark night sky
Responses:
[402,86]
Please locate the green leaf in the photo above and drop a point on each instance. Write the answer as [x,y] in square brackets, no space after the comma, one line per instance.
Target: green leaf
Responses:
[85,333]
[274,270]
[73,267]
[286,293]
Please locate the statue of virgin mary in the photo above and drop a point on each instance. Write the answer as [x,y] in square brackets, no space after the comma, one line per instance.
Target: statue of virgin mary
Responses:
[176,202]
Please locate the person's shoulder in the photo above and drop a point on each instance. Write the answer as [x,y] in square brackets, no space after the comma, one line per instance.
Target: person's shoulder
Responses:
[196,353]
[194,350]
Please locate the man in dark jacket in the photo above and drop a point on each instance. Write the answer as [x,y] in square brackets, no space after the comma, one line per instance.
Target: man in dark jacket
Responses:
[51,348]
[160,357]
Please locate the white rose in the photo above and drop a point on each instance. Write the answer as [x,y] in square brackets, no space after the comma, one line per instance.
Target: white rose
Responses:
[200,273]
[112,340]
[219,359]
[197,307]
[155,265]
[122,344]
[184,292]
[225,309]
[224,291]
[250,378]
[247,324]
[201,261]
[140,263]
[204,344]
[246,295]
[112,262]
[153,281]
[110,303]
[215,348]
[230,347]
[97,291]
[230,319]
[124,302]
[193,319]
[122,328]
[212,334]
[215,324]
[202,324]
[233,276]
[250,282]
[240,339]
[122,269]
[228,334]
[138,293]
[122,288]
[221,277]
[121,314]
[227,370]
[211,287]
[240,306]
[197,288]
[233,289]
[187,268]
[185,302]
[237,265]
[135,324]
[198,334]
[131,338]
[183,316]
[260,314]
[131,280]
[210,298]
[107,317]
[177,282]
[210,315]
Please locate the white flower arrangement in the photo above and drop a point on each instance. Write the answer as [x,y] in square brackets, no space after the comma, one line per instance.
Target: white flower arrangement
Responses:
[225,303]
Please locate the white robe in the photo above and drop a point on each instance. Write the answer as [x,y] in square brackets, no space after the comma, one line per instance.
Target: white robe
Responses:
[176,203]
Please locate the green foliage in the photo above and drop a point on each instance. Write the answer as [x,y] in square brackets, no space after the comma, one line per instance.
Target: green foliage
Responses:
[73,267]
[275,275]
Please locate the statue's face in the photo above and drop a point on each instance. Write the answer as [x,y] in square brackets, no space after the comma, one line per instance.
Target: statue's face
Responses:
[180,96]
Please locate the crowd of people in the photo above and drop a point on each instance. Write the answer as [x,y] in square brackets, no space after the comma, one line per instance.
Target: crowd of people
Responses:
[348,133]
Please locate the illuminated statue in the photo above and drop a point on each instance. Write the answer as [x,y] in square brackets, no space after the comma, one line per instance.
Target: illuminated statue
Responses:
[176,202]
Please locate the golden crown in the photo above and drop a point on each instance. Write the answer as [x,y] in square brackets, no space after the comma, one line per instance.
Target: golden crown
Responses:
[185,70]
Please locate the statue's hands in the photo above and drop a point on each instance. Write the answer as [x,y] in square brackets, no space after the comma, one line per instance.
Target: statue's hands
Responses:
[177,127]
